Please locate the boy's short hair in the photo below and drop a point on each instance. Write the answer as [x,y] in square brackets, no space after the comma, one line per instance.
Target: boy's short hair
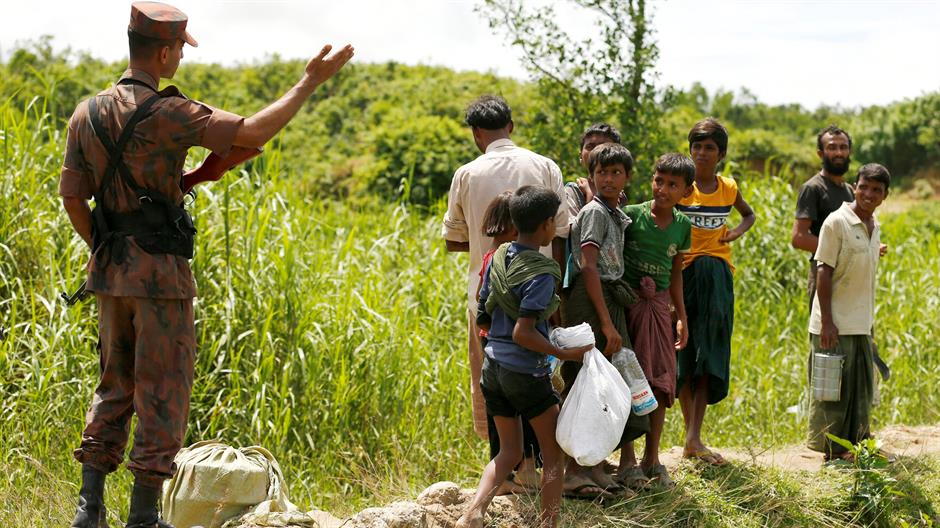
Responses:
[678,165]
[531,205]
[602,129]
[496,219]
[610,154]
[833,130]
[710,128]
[489,112]
[874,172]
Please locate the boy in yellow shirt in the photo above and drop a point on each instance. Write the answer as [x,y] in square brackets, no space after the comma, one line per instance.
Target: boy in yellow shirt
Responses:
[703,365]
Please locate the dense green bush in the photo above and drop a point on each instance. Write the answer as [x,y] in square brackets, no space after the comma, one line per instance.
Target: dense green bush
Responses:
[378,130]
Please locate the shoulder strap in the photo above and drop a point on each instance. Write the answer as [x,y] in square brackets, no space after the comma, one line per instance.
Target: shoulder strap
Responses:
[116,150]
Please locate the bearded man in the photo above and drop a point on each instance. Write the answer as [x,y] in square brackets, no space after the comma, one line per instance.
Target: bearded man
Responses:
[822,194]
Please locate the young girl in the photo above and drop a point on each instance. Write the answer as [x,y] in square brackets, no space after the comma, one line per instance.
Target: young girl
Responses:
[703,365]
[497,224]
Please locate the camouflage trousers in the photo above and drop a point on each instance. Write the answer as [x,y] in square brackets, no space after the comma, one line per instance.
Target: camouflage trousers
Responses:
[147,348]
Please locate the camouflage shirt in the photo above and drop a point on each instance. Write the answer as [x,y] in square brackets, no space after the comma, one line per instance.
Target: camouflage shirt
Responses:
[155,156]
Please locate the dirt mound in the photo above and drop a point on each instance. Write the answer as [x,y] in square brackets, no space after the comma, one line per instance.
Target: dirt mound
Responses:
[438,506]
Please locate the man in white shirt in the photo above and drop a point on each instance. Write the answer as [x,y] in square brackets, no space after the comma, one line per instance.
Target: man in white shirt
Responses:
[843,311]
[502,167]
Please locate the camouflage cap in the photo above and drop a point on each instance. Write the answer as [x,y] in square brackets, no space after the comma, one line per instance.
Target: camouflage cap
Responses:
[160,21]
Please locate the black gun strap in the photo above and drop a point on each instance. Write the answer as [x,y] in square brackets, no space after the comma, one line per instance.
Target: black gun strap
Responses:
[116,151]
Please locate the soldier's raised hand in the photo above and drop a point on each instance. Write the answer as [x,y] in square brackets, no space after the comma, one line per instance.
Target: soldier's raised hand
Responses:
[324,66]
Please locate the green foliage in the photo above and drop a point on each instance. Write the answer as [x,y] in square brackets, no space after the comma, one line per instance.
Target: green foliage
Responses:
[902,136]
[582,82]
[905,137]
[873,489]
[331,331]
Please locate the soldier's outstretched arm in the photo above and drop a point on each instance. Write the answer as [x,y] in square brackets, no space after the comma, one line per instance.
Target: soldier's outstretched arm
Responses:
[262,126]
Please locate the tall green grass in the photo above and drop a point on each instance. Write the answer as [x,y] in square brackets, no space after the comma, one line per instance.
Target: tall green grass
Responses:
[334,335]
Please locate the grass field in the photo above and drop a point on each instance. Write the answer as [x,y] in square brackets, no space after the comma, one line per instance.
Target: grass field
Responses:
[334,336]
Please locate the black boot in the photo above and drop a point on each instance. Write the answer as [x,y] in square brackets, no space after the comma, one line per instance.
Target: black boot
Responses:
[90,512]
[143,512]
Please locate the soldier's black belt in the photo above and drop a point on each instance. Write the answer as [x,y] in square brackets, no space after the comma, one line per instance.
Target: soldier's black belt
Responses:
[158,225]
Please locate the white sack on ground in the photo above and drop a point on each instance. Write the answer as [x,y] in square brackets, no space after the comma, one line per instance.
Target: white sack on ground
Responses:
[595,412]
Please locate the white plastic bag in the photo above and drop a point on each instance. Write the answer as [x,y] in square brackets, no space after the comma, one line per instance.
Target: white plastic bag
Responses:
[573,336]
[593,416]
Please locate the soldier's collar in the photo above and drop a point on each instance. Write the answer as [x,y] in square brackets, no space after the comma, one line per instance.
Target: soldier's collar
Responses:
[142,76]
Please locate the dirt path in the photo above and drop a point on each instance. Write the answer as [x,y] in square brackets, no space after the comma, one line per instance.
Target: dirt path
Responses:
[899,439]
[439,505]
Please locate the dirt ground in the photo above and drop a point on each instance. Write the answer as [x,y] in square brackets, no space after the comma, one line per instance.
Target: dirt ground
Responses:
[899,439]
[440,504]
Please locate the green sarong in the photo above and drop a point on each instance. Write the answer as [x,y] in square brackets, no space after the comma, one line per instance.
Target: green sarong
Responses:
[579,309]
[524,267]
[850,417]
[708,289]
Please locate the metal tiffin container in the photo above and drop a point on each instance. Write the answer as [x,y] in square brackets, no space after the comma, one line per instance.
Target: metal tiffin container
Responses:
[827,377]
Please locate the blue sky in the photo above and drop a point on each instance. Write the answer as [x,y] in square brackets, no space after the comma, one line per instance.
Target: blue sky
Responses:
[836,52]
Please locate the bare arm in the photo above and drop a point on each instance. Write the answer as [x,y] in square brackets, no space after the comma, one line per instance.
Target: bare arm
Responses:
[678,300]
[262,126]
[80,216]
[829,335]
[592,283]
[587,189]
[457,247]
[558,255]
[747,220]
[802,238]
[525,335]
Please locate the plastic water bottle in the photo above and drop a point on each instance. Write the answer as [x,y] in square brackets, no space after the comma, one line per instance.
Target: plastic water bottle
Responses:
[643,401]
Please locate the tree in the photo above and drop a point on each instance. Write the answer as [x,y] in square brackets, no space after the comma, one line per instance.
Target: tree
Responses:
[608,78]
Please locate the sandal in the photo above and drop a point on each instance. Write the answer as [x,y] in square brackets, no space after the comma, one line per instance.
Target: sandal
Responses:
[844,456]
[603,479]
[581,487]
[889,456]
[633,478]
[658,475]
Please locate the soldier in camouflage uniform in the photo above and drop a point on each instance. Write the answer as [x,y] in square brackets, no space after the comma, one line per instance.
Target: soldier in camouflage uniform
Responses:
[144,293]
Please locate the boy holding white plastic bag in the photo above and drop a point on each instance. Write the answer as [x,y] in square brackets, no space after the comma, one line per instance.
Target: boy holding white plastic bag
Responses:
[655,241]
[516,300]
[598,295]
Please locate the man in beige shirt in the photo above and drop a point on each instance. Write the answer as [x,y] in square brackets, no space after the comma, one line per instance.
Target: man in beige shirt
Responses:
[502,167]
[843,312]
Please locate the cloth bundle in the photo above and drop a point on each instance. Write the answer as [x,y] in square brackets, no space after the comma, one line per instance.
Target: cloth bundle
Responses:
[216,484]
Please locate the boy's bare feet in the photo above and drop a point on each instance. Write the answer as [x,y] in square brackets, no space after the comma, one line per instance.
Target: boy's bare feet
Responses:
[527,477]
[510,487]
[470,520]
[700,452]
